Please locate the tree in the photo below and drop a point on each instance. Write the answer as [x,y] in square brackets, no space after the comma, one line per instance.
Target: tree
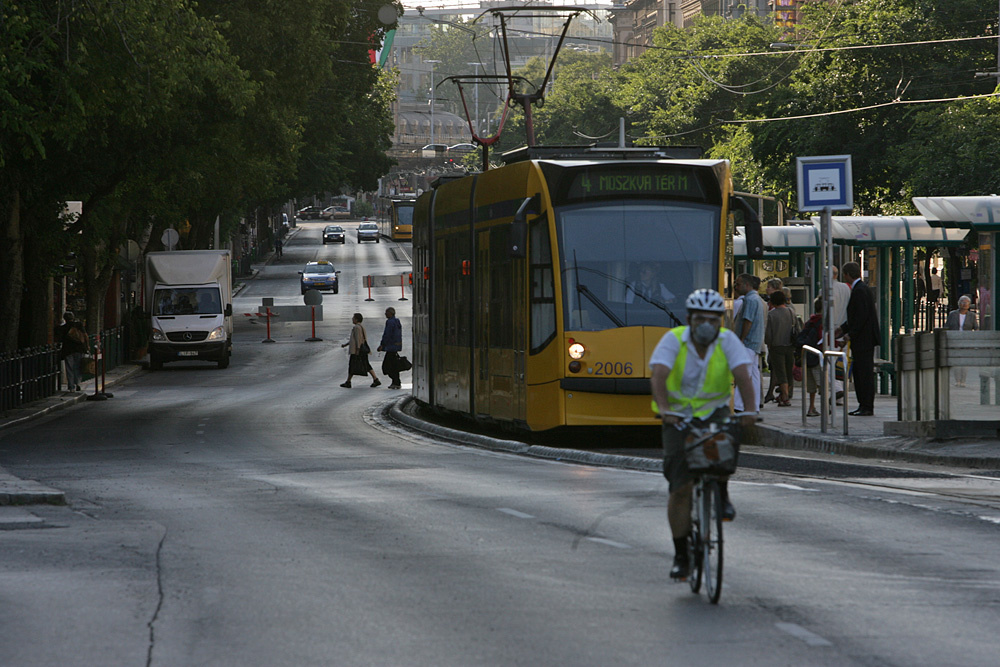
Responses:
[168,112]
[88,87]
[874,82]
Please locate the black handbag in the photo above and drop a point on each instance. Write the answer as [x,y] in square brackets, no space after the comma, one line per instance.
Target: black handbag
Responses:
[364,349]
[356,365]
[403,364]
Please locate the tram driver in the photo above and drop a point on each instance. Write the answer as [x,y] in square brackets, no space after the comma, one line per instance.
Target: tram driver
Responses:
[647,287]
[693,369]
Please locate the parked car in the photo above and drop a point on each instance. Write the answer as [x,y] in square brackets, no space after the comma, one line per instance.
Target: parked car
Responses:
[319,276]
[308,213]
[334,234]
[462,148]
[368,231]
[341,213]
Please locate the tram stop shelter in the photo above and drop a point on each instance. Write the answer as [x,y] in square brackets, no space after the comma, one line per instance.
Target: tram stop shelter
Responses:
[886,245]
[981,215]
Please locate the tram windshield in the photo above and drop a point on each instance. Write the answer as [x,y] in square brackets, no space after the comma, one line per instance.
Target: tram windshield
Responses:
[404,215]
[633,262]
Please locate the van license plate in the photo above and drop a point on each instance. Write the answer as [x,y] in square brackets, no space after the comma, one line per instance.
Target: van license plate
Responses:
[188,353]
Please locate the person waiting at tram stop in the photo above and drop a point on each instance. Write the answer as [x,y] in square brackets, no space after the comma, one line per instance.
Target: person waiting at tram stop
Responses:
[961,319]
[693,369]
[778,336]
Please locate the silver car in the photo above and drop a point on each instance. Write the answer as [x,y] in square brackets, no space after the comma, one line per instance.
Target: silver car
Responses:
[368,231]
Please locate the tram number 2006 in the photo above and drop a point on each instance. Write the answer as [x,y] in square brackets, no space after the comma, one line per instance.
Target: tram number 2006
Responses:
[612,368]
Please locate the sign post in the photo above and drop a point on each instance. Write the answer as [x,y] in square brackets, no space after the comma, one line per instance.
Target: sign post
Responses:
[825,184]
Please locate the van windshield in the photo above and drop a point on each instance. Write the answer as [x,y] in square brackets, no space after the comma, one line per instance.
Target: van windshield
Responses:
[187,301]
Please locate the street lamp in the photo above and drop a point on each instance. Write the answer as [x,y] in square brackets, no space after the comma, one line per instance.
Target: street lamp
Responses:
[432,64]
[477,66]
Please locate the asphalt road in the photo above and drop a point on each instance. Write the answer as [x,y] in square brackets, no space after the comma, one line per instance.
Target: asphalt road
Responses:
[262,515]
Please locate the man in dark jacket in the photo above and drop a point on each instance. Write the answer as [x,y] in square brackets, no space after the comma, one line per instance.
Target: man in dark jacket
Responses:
[862,330]
[73,339]
[392,344]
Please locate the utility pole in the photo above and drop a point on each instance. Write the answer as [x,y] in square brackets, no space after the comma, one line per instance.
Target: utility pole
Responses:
[476,124]
[432,64]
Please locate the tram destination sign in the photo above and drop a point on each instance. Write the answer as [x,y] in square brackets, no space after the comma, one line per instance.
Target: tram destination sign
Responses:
[635,181]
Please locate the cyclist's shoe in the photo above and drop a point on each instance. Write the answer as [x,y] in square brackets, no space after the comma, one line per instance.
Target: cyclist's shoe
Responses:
[728,511]
[681,568]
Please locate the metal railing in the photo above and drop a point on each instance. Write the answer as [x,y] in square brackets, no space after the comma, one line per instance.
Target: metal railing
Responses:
[828,362]
[28,375]
[34,373]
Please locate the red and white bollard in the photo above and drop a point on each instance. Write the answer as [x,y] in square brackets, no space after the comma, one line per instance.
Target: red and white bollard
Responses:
[313,338]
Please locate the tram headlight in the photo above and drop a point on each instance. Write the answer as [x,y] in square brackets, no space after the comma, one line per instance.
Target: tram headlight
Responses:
[576,350]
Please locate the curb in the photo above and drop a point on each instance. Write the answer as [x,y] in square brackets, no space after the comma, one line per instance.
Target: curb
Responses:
[894,449]
[66,401]
[41,495]
[397,412]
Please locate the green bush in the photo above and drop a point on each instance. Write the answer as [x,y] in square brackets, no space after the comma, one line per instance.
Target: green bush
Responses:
[363,209]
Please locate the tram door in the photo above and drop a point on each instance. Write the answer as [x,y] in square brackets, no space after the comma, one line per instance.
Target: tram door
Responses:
[499,384]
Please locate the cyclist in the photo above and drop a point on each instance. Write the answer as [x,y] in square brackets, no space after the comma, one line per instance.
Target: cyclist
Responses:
[693,369]
[278,245]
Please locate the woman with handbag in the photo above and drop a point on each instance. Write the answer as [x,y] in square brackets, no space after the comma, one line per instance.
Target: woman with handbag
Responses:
[359,351]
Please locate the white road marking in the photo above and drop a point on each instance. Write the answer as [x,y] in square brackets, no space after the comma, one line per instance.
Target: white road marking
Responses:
[519,515]
[610,543]
[794,487]
[797,631]
[199,433]
[991,519]
[782,485]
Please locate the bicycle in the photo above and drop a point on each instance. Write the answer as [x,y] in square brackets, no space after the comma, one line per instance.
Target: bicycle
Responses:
[711,451]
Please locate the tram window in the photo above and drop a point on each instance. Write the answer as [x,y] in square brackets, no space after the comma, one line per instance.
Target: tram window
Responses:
[501,295]
[632,263]
[543,297]
[404,215]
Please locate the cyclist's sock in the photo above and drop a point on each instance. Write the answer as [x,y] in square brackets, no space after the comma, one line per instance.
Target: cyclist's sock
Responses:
[724,488]
[681,546]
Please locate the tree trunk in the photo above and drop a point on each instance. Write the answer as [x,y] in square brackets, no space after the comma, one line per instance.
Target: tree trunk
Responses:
[11,272]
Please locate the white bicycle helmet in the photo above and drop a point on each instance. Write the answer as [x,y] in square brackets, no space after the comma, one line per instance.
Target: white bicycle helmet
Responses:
[707,300]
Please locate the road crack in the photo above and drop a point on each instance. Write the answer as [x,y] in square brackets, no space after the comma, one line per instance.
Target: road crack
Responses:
[159,600]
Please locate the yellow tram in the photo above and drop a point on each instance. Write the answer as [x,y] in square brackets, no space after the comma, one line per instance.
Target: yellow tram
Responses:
[396,222]
[542,287]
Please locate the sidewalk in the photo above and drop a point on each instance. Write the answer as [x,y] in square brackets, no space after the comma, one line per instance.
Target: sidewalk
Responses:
[15,491]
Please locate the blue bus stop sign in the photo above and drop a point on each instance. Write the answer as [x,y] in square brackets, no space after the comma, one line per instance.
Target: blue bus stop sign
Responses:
[825,181]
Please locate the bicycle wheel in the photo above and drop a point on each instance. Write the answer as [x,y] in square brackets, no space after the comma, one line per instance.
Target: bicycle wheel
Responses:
[694,541]
[711,540]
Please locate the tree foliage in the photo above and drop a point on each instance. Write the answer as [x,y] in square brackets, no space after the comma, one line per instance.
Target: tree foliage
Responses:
[170,112]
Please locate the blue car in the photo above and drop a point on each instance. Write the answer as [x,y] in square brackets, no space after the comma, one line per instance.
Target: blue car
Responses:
[319,276]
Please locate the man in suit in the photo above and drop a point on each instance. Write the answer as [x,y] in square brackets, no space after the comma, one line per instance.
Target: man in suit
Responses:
[862,330]
[961,320]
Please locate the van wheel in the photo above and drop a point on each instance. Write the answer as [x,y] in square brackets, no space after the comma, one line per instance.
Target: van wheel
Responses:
[224,362]
[155,363]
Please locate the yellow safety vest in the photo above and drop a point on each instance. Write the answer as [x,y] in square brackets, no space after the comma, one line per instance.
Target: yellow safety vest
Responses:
[714,392]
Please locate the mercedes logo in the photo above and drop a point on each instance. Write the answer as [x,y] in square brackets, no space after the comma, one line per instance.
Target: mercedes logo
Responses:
[187,335]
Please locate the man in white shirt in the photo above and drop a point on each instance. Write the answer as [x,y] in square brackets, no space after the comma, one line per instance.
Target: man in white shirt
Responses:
[841,295]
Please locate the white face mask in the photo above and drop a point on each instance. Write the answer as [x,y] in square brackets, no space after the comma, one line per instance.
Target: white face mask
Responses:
[704,333]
